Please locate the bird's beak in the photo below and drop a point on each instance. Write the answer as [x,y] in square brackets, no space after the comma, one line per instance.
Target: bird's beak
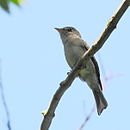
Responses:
[59,29]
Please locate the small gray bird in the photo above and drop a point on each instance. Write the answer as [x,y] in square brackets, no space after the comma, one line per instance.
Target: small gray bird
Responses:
[74,48]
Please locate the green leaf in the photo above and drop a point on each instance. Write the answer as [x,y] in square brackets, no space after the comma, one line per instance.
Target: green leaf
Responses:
[16,2]
[4,5]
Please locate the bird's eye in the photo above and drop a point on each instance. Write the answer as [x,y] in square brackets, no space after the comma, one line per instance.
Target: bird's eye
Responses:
[69,30]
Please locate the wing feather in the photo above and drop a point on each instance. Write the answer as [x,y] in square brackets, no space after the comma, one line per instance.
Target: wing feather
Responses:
[86,47]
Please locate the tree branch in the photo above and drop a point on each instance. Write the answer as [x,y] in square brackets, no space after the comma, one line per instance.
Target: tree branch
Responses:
[9,127]
[64,85]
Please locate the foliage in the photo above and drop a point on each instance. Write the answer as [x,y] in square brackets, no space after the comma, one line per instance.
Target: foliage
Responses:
[6,3]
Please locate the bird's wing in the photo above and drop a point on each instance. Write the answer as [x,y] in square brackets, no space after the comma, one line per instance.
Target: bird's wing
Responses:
[97,70]
[85,47]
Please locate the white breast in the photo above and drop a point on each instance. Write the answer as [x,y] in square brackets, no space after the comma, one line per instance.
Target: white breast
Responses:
[73,53]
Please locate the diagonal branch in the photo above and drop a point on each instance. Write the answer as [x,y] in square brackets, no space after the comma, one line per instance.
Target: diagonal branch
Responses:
[9,127]
[64,85]
[87,118]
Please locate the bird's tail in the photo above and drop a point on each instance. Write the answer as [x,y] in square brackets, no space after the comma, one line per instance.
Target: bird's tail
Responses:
[101,102]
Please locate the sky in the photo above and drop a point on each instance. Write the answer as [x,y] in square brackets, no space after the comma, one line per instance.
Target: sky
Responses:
[33,64]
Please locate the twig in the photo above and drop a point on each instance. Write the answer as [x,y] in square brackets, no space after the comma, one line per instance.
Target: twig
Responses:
[48,116]
[4,102]
[87,118]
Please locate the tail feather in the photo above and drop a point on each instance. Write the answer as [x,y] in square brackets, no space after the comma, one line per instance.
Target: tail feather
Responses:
[101,102]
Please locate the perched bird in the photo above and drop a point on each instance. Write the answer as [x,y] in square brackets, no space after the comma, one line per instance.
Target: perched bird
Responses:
[74,48]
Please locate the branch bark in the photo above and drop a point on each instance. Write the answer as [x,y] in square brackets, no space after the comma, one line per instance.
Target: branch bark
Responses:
[64,85]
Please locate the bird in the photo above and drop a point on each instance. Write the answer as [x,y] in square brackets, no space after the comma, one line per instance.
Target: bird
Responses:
[74,48]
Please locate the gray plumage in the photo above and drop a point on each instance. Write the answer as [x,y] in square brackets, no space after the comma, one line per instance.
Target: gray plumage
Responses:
[74,48]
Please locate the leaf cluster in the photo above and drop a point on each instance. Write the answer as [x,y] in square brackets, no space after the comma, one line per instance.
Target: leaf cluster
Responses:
[5,4]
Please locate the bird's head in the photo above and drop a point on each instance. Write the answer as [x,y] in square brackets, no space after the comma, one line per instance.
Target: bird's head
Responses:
[68,32]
